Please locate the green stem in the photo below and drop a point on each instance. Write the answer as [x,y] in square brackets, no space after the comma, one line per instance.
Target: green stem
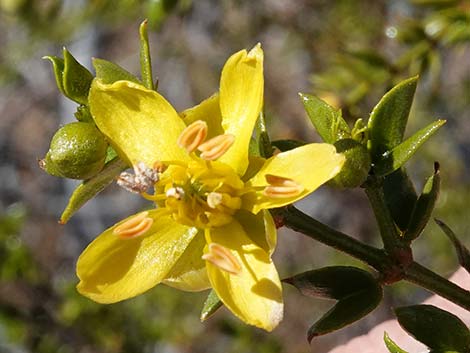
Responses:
[302,223]
[376,258]
[388,230]
[426,278]
[145,61]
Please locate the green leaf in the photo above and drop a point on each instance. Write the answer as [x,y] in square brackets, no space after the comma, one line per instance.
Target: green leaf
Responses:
[388,119]
[211,305]
[356,290]
[145,61]
[287,145]
[438,329]
[392,346]
[400,197]
[390,161]
[463,253]
[58,67]
[109,72]
[424,206]
[76,79]
[328,121]
[91,187]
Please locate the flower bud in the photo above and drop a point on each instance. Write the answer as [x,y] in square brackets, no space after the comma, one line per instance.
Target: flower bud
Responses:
[357,164]
[77,151]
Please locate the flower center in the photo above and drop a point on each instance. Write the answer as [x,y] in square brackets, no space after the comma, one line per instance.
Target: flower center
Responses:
[200,193]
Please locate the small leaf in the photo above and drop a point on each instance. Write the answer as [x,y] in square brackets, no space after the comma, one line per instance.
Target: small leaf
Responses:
[463,253]
[89,188]
[392,346]
[357,292]
[287,145]
[145,61]
[436,328]
[211,305]
[76,79]
[394,159]
[109,72]
[400,196]
[58,67]
[424,206]
[328,121]
[388,119]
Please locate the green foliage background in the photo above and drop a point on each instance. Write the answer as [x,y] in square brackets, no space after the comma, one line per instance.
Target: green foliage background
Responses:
[347,52]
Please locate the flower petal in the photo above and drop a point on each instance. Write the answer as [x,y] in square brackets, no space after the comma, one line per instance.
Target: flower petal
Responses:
[112,269]
[255,294]
[189,273]
[241,100]
[260,228]
[209,111]
[309,166]
[140,124]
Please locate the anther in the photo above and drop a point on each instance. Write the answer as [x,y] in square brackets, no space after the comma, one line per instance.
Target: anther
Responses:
[139,182]
[223,258]
[134,227]
[216,147]
[159,167]
[176,192]
[280,187]
[214,199]
[193,136]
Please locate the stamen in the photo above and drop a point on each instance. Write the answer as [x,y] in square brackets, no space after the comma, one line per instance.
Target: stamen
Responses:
[142,179]
[214,199]
[177,192]
[216,147]
[280,187]
[193,136]
[134,227]
[222,257]
[159,167]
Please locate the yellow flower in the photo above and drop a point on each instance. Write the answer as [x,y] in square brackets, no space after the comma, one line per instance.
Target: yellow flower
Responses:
[211,227]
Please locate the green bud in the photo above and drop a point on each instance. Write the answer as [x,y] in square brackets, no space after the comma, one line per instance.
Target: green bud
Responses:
[357,165]
[78,151]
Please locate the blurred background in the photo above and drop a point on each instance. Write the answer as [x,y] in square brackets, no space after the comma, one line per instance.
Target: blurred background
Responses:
[347,52]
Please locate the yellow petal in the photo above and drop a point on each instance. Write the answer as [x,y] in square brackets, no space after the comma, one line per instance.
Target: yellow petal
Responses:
[241,100]
[113,268]
[254,294]
[260,228]
[140,124]
[208,111]
[189,273]
[309,166]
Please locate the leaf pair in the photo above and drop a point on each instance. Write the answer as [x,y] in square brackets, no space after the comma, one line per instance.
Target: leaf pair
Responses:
[357,293]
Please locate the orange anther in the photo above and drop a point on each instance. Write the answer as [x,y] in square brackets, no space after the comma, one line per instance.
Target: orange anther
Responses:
[223,258]
[216,146]
[134,227]
[193,136]
[280,187]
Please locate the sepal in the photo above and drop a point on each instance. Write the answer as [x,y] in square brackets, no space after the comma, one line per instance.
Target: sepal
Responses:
[91,187]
